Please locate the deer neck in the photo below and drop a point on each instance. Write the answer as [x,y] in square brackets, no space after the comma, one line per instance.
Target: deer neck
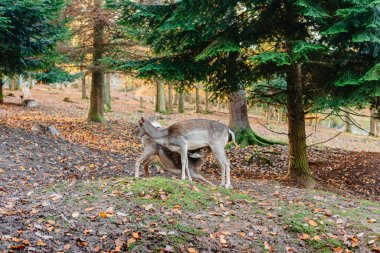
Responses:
[158,135]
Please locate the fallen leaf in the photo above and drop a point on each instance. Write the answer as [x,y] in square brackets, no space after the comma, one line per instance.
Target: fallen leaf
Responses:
[130,241]
[312,223]
[304,237]
[136,235]
[338,250]
[17,247]
[192,250]
[75,214]
[41,243]
[103,214]
[148,207]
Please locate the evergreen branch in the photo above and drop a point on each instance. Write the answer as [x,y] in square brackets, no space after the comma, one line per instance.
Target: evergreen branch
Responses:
[325,140]
[322,63]
[283,133]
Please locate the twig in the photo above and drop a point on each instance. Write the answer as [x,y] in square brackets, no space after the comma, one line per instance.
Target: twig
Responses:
[354,113]
[352,123]
[324,141]
[271,129]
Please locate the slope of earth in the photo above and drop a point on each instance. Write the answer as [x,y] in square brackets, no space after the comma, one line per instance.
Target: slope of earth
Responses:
[73,193]
[338,170]
[57,196]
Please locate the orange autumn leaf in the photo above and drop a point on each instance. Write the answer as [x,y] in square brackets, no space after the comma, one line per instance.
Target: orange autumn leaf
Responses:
[41,243]
[103,214]
[312,223]
[130,241]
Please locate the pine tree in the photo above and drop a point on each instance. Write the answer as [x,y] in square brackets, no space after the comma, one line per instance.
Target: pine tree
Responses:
[29,30]
[308,55]
[190,45]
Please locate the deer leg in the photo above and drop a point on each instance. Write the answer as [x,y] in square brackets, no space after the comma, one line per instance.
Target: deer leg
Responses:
[200,177]
[220,155]
[146,169]
[142,159]
[185,164]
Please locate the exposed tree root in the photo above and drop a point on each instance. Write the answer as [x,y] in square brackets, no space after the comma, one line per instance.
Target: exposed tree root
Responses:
[247,137]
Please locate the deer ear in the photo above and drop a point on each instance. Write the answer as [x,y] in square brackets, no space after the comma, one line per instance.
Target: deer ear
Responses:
[142,120]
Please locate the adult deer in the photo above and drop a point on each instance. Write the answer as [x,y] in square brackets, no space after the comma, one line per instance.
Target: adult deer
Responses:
[170,161]
[193,134]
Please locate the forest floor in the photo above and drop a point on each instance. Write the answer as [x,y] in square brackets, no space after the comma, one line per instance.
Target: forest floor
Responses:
[74,193]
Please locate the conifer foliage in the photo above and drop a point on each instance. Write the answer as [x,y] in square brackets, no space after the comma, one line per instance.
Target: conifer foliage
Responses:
[307,55]
[29,30]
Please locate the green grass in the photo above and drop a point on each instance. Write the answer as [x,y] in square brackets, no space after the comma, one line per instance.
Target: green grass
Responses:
[294,216]
[188,195]
[190,230]
[177,192]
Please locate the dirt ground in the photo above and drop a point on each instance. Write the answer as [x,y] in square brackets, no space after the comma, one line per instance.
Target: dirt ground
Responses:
[73,193]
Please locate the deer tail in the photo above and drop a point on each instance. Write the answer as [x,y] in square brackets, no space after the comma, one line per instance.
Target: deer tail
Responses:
[232,136]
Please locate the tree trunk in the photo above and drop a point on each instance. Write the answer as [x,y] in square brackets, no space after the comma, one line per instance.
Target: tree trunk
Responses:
[107,93]
[175,102]
[181,102]
[1,91]
[374,129]
[298,166]
[83,84]
[238,112]
[13,83]
[170,98]
[30,80]
[207,103]
[160,97]
[96,113]
[239,123]
[20,79]
[348,126]
[197,100]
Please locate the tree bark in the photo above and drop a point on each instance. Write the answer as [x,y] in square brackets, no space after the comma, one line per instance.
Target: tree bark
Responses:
[1,91]
[207,102]
[238,112]
[83,84]
[107,93]
[96,113]
[30,80]
[170,98]
[20,79]
[298,166]
[175,102]
[181,102]
[13,83]
[374,129]
[348,127]
[160,97]
[197,100]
